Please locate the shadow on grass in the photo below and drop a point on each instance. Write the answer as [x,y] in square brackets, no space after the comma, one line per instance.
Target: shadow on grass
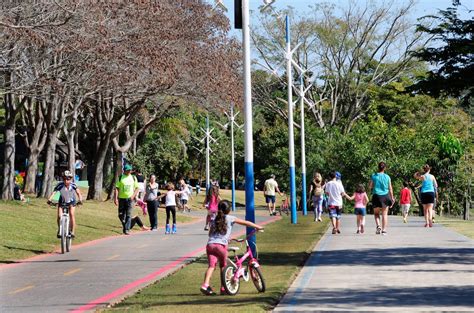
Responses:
[191,300]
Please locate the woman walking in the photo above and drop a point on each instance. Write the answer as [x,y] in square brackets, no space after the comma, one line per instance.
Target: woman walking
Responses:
[316,192]
[428,193]
[151,198]
[382,197]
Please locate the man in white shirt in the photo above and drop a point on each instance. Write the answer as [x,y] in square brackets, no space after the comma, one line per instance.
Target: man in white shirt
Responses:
[335,191]
[269,189]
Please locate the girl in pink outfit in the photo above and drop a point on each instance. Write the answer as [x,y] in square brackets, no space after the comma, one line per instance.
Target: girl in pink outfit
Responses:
[211,203]
[361,200]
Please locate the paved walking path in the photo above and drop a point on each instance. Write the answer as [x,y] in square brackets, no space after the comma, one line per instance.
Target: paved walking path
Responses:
[411,269]
[101,272]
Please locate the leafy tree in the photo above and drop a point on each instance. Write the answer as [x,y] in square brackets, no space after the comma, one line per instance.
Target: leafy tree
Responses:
[452,56]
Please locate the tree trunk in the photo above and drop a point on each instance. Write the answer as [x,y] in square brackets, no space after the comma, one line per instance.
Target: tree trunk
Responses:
[109,163]
[95,190]
[49,164]
[9,153]
[117,172]
[31,172]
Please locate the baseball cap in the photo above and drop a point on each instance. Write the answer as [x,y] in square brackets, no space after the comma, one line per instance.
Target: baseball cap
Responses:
[338,175]
[127,167]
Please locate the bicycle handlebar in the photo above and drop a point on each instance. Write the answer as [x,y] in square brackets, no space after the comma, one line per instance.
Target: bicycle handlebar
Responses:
[53,204]
[248,236]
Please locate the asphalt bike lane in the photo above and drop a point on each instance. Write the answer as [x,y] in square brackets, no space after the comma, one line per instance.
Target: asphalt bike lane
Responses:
[102,272]
[412,268]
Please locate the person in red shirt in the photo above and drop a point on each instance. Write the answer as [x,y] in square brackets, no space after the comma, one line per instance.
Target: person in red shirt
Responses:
[405,201]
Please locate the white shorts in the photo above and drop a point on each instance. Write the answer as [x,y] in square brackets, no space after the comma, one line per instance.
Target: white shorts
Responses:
[405,208]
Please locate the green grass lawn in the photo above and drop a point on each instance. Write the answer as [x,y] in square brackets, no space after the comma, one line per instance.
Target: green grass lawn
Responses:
[30,228]
[283,248]
[459,225]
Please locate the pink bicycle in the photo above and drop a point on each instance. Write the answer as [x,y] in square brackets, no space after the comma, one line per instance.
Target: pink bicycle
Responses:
[236,271]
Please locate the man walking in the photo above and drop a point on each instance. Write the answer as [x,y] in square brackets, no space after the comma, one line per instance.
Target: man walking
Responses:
[269,191]
[126,191]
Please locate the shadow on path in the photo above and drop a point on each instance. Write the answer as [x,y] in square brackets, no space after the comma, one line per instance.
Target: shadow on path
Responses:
[451,296]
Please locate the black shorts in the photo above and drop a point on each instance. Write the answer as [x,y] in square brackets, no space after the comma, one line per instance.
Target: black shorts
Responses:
[381,201]
[427,197]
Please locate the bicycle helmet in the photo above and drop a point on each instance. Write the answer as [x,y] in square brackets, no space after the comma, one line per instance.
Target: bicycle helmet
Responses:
[67,174]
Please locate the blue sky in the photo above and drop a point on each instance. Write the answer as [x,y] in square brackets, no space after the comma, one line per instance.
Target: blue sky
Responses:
[423,7]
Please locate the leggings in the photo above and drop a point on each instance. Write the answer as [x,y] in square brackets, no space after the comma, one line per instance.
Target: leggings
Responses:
[318,206]
[170,209]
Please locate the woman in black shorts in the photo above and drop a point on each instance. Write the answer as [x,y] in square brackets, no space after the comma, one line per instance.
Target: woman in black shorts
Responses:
[382,197]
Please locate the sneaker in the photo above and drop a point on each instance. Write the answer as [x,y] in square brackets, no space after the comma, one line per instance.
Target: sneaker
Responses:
[320,220]
[153,229]
[58,234]
[361,229]
[334,231]
[384,233]
[274,213]
[126,233]
[207,291]
[378,230]
[338,231]
[358,232]
[206,228]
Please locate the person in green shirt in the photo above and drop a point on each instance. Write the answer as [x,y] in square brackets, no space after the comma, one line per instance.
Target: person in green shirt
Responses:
[126,191]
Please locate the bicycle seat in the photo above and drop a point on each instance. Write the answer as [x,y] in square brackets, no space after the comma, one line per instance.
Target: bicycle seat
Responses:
[233,249]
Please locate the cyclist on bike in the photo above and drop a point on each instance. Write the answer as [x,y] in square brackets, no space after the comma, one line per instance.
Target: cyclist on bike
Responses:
[68,191]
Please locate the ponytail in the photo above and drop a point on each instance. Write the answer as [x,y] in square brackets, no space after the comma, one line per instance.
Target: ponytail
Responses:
[220,226]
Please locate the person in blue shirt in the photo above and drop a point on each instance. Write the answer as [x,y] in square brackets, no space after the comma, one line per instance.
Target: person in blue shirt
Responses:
[382,197]
[428,194]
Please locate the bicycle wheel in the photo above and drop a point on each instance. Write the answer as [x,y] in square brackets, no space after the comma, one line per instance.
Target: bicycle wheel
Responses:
[257,278]
[63,232]
[68,237]
[231,286]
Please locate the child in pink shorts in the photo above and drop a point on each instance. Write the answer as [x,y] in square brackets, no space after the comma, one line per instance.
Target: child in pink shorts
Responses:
[219,236]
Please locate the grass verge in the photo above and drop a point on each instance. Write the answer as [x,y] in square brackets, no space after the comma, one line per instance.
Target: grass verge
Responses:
[28,229]
[283,248]
[459,225]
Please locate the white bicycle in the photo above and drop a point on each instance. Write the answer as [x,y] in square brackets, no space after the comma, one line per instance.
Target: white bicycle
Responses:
[65,226]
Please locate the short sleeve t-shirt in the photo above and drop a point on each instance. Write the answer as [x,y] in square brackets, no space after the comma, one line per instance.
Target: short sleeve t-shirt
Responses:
[126,186]
[186,193]
[270,187]
[405,196]
[334,189]
[223,239]
[67,194]
[381,184]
